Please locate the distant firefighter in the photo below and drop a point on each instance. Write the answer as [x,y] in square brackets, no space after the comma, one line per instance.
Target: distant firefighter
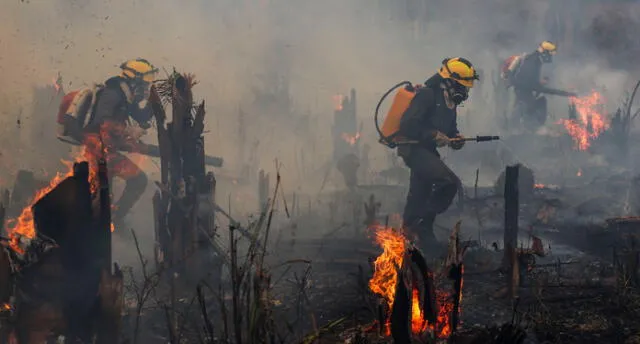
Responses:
[523,72]
[102,115]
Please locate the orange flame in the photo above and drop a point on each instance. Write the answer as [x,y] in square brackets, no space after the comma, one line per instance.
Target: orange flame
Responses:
[385,276]
[591,121]
[351,139]
[23,226]
[385,279]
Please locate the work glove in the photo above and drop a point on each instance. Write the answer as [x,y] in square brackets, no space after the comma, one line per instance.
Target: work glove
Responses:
[135,132]
[441,139]
[457,142]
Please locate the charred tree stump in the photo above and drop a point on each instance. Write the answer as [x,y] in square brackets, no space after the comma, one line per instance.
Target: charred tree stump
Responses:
[511,211]
[185,205]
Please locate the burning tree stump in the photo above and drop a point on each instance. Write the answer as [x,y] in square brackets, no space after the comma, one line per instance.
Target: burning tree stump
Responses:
[411,306]
[185,205]
[62,284]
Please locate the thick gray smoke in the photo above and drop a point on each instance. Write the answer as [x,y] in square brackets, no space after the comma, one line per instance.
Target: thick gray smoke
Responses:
[278,61]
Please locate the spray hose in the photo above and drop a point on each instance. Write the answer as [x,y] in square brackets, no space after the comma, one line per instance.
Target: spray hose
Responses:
[386,140]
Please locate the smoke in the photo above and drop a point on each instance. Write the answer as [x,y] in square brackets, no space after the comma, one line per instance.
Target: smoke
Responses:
[281,61]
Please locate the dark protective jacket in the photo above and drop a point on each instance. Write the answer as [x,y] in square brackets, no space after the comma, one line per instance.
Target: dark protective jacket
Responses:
[428,113]
[114,105]
[528,76]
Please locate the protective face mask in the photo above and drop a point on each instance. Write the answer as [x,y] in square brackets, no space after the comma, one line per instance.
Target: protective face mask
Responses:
[458,93]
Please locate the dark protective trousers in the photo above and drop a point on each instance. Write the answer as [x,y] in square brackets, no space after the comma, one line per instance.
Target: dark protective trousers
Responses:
[432,188]
[118,165]
[531,109]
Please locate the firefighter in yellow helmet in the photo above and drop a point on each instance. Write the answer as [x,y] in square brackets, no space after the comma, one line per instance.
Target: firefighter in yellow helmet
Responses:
[524,73]
[430,122]
[123,98]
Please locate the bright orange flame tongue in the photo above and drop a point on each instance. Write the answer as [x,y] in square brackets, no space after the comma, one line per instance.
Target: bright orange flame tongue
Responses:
[23,226]
[590,121]
[385,275]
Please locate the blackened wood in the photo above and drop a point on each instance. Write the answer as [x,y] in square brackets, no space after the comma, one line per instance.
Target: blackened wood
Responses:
[456,274]
[511,211]
[160,227]
[429,307]
[111,292]
[401,312]
[164,143]
[104,216]
[6,291]
[65,215]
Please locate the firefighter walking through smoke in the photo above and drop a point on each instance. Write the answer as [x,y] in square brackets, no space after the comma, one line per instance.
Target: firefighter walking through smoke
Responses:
[430,122]
[524,73]
[105,112]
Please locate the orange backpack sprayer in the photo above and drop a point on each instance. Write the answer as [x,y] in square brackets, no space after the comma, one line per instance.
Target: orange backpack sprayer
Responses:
[391,124]
[389,133]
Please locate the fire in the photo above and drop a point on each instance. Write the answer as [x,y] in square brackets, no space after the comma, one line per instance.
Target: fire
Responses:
[23,226]
[385,280]
[579,173]
[338,102]
[417,325]
[385,276]
[590,122]
[351,139]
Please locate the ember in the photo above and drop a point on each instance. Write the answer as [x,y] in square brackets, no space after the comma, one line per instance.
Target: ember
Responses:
[338,100]
[351,139]
[590,121]
[385,280]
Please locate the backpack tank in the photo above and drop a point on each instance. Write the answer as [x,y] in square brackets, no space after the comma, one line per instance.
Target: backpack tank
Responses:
[76,106]
[391,124]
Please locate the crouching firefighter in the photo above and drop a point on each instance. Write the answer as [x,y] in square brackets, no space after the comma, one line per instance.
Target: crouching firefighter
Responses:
[100,117]
[422,119]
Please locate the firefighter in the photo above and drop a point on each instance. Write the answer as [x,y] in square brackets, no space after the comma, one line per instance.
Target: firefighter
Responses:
[430,122]
[120,99]
[524,74]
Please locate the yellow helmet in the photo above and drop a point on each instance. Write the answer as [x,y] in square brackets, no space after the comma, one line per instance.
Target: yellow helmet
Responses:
[547,47]
[138,69]
[460,70]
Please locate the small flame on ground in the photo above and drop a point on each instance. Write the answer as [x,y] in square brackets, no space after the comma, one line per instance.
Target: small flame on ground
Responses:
[579,173]
[590,121]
